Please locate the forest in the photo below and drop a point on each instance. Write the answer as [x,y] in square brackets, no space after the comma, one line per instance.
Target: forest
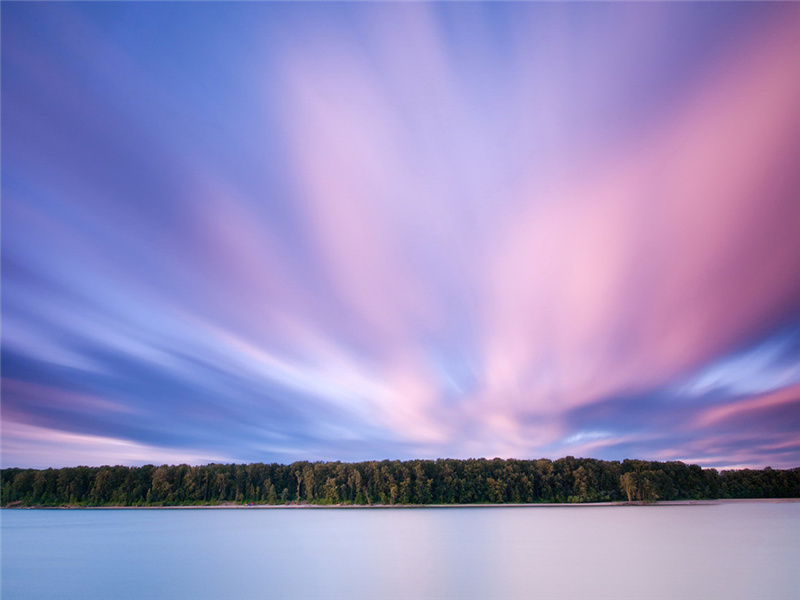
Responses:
[413,482]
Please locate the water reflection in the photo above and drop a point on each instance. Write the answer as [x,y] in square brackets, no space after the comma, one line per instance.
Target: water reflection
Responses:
[740,550]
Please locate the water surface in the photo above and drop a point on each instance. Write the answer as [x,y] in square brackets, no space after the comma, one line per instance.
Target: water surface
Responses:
[725,551]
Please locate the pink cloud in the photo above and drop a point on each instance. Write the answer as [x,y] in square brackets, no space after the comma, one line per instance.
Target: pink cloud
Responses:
[32,446]
[18,393]
[666,249]
[675,249]
[749,407]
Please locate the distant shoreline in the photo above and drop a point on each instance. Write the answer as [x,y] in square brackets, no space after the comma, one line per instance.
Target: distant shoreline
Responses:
[450,482]
[229,506]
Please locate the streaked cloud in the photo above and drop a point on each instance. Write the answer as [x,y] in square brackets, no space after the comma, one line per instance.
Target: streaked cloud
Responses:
[269,232]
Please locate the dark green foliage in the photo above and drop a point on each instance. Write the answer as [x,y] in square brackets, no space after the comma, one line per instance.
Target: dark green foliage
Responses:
[444,481]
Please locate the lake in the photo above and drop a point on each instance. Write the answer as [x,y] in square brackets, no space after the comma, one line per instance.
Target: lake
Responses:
[705,551]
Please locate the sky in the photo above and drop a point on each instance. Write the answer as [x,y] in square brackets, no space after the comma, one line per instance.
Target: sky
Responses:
[269,232]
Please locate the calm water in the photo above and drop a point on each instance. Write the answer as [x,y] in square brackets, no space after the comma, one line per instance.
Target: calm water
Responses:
[725,551]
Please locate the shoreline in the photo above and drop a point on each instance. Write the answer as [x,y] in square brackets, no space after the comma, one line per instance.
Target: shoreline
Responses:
[232,506]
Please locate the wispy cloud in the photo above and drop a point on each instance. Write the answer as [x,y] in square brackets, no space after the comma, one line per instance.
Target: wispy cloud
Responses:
[364,231]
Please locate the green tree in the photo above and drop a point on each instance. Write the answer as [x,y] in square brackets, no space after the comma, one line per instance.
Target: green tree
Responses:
[629,485]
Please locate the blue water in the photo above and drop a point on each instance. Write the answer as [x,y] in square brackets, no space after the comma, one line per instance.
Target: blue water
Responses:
[725,551]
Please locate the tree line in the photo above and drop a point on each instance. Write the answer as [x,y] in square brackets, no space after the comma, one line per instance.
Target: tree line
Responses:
[443,481]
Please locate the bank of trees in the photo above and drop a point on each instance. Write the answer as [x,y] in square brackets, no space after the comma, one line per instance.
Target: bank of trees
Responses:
[443,481]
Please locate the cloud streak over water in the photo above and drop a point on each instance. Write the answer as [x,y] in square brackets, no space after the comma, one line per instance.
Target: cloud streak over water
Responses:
[268,232]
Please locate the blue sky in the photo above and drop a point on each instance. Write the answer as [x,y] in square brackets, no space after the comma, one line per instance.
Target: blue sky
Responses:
[242,232]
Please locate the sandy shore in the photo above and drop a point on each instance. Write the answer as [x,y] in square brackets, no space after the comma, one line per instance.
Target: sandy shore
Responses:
[229,506]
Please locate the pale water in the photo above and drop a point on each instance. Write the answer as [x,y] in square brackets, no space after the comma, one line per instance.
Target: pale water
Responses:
[724,551]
